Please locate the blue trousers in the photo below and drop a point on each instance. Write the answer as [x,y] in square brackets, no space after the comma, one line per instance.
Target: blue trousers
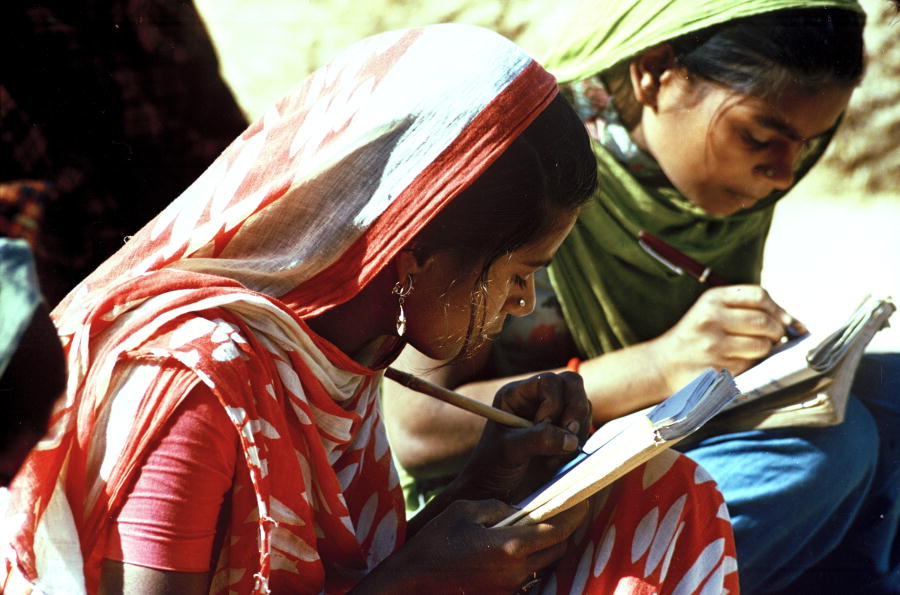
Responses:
[816,510]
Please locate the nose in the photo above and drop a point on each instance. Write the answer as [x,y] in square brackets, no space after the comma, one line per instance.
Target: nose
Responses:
[780,164]
[522,303]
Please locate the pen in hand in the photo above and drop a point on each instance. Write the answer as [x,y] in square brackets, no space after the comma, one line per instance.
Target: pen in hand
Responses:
[682,264]
[793,331]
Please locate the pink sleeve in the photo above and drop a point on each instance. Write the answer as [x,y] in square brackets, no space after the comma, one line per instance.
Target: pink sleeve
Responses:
[170,517]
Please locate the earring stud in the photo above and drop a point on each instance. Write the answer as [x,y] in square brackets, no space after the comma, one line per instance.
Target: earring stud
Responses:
[769,172]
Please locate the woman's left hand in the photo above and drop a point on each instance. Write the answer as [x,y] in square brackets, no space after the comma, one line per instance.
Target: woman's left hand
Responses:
[509,463]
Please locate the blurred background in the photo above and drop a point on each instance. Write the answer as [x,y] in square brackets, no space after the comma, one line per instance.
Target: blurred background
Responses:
[836,237]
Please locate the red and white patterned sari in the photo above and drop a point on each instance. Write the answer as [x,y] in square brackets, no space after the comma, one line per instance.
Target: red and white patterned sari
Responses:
[295,217]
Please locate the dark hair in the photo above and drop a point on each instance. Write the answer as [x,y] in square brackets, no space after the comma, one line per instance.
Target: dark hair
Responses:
[547,171]
[759,55]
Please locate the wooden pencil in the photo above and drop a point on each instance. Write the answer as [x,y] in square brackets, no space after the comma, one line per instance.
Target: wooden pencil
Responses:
[448,396]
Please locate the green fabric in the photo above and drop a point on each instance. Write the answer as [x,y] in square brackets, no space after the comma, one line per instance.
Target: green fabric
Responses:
[612,293]
[589,36]
[600,268]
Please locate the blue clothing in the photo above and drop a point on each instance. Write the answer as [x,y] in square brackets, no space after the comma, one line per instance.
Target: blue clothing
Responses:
[803,501]
[19,295]
[867,561]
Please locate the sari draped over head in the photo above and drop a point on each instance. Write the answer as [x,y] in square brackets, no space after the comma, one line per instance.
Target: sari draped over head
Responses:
[295,217]
[612,293]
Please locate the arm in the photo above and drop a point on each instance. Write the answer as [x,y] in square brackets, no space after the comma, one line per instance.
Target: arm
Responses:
[728,327]
[118,577]
[170,517]
[432,439]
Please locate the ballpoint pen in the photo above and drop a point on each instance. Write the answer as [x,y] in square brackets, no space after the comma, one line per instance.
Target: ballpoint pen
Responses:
[682,264]
[677,261]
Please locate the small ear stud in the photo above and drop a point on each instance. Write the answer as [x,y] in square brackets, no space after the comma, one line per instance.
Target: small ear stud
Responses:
[769,172]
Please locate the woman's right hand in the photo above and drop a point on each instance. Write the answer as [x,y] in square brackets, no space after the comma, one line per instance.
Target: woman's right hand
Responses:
[728,327]
[458,551]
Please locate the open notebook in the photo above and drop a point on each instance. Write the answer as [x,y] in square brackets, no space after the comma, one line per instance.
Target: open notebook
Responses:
[622,444]
[806,381]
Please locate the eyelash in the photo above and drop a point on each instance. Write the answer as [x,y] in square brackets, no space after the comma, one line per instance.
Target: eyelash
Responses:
[753,142]
[520,281]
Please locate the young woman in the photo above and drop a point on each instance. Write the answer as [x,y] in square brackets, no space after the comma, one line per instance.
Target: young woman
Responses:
[702,116]
[221,428]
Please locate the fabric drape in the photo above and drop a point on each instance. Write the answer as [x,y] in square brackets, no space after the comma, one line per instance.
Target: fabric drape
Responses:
[599,35]
[295,217]
[600,268]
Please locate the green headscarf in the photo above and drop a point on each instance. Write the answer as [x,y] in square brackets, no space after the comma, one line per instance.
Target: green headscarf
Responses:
[599,34]
[612,293]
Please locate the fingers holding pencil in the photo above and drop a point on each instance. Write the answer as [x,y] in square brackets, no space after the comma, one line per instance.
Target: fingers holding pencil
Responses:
[444,394]
[558,399]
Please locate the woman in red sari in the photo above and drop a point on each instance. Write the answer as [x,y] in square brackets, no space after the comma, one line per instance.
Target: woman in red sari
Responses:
[221,430]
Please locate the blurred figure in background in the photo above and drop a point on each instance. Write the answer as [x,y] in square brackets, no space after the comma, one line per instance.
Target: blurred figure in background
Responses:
[32,368]
[108,110]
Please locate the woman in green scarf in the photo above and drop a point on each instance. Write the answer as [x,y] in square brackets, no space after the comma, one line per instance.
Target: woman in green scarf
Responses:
[704,113]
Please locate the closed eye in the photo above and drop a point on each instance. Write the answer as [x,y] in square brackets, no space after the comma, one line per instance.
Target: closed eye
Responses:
[752,141]
[521,282]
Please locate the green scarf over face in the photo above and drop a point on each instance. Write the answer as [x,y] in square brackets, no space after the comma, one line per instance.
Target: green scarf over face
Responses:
[613,294]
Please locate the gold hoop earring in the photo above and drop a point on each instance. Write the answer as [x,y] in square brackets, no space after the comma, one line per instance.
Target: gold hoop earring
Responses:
[401,290]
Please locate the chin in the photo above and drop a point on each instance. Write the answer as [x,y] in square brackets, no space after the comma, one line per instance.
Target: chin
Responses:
[725,211]
[729,204]
[440,352]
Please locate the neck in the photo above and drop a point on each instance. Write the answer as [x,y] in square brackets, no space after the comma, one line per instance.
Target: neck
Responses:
[637,135]
[355,324]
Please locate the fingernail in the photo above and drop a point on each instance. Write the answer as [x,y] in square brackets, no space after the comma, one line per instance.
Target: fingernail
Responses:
[570,442]
[573,427]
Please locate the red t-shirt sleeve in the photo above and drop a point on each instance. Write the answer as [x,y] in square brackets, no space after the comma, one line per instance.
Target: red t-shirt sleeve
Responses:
[170,517]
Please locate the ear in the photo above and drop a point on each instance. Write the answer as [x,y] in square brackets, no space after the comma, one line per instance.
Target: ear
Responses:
[410,262]
[649,71]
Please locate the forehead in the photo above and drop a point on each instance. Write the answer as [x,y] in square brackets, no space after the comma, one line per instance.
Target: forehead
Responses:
[795,112]
[539,252]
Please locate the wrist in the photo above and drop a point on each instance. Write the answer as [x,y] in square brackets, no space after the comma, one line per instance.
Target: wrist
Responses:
[661,365]
[395,574]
